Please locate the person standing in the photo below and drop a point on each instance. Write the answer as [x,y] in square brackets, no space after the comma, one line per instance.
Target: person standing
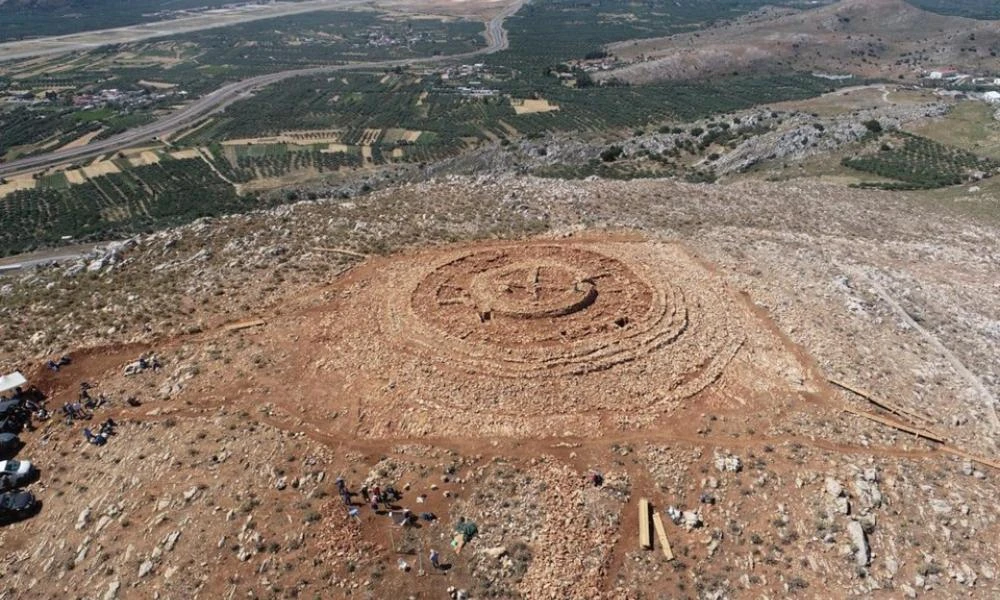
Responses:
[435,559]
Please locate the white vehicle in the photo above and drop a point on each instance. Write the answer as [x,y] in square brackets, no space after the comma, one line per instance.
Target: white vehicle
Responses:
[17,472]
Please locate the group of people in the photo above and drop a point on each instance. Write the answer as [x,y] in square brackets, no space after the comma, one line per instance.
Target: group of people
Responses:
[143,363]
[83,408]
[75,411]
[376,496]
[32,405]
[101,437]
[88,400]
[55,365]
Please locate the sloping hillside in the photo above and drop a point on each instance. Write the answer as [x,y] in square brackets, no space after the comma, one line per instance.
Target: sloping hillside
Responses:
[863,37]
[974,9]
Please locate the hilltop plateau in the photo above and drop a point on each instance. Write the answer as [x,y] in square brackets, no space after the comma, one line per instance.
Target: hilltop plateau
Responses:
[537,300]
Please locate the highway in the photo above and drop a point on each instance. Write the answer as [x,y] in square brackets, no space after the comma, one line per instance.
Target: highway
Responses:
[496,40]
[44,257]
[209,19]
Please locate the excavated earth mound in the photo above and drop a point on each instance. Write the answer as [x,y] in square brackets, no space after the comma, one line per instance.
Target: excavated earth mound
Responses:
[469,338]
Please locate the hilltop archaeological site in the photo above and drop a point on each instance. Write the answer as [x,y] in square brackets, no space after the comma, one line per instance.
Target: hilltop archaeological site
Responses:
[801,398]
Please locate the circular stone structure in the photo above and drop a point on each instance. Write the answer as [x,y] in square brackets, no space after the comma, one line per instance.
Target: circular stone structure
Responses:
[526,337]
[537,310]
[528,290]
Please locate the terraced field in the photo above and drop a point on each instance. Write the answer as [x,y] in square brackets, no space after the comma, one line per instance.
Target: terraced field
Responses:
[115,203]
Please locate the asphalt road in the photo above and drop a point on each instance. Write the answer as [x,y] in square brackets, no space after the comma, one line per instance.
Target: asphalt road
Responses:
[211,19]
[496,38]
[42,257]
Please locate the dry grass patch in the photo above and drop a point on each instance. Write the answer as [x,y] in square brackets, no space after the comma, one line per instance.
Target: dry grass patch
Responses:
[144,158]
[527,106]
[186,154]
[83,140]
[18,182]
[75,176]
[101,167]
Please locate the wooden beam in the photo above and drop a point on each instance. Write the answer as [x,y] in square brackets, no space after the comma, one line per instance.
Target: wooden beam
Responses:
[927,435]
[645,534]
[897,410]
[924,433]
[661,534]
[244,325]
[972,457]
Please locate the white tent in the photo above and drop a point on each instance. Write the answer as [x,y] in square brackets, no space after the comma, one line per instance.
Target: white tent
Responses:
[9,382]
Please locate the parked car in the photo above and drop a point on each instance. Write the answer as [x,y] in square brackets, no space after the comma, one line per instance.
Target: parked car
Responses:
[11,425]
[17,505]
[17,473]
[11,408]
[10,445]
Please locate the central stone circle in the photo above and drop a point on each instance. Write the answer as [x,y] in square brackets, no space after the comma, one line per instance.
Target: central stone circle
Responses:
[537,310]
[532,290]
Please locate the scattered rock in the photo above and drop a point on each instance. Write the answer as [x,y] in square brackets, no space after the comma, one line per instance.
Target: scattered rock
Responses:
[83,519]
[859,541]
[939,506]
[731,464]
[145,568]
[171,540]
[496,552]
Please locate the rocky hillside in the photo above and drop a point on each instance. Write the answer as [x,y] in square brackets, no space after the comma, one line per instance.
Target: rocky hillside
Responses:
[868,38]
[219,480]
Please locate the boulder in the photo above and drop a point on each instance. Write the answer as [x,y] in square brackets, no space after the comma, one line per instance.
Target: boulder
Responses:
[862,555]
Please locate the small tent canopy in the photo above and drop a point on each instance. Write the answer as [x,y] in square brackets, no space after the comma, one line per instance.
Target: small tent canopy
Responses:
[9,382]
[468,529]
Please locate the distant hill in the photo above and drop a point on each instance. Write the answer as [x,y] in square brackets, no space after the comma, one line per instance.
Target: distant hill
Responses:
[866,38]
[973,9]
